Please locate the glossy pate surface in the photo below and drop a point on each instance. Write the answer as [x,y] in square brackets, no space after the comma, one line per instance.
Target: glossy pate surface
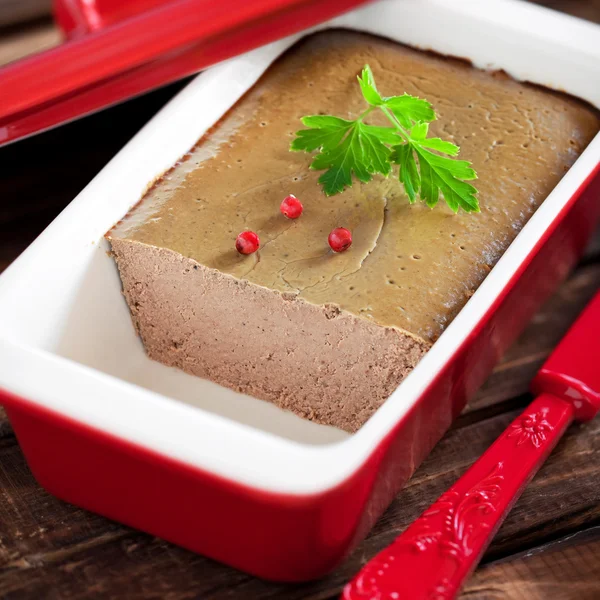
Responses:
[409,267]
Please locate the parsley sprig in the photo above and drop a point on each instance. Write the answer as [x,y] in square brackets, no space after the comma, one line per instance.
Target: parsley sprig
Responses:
[427,167]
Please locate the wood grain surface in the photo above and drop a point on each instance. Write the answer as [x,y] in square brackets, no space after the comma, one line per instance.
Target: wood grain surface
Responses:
[21,11]
[26,27]
[548,548]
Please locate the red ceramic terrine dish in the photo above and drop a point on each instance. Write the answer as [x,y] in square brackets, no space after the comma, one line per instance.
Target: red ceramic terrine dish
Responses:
[267,414]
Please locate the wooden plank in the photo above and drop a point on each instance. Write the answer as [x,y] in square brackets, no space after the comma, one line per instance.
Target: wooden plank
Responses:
[584,9]
[565,569]
[512,376]
[47,544]
[36,37]
[17,11]
[593,251]
[42,174]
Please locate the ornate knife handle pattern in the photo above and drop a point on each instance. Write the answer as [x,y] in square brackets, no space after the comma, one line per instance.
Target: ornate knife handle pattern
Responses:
[433,557]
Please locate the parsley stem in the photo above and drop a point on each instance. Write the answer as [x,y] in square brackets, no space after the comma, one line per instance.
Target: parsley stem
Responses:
[395,122]
[363,115]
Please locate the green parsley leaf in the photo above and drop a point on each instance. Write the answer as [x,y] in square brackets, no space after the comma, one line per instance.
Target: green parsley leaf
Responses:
[347,149]
[409,174]
[386,134]
[441,146]
[376,153]
[341,162]
[439,173]
[419,132]
[410,110]
[362,153]
[325,133]
[368,87]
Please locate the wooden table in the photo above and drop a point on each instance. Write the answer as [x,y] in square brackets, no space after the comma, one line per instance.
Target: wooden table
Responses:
[549,547]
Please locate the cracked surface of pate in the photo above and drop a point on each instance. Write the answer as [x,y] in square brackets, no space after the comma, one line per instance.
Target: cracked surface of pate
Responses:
[409,267]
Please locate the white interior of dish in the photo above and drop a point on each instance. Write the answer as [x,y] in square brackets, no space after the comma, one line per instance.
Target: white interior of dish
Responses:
[66,339]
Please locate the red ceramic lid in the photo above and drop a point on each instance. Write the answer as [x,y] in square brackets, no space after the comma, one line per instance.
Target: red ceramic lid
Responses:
[116,50]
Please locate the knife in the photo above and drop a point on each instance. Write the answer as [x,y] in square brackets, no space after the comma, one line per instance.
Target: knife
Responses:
[434,556]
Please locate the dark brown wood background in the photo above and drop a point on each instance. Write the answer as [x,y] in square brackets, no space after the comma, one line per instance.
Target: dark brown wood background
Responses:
[548,548]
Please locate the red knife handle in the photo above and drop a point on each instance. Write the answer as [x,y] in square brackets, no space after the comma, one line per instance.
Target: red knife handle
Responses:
[573,370]
[433,557]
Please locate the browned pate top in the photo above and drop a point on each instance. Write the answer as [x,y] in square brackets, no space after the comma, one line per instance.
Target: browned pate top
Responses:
[409,267]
